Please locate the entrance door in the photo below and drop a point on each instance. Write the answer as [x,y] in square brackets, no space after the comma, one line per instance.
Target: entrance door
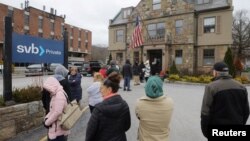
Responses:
[155,56]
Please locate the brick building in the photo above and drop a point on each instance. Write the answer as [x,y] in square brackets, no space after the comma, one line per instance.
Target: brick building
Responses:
[193,33]
[35,22]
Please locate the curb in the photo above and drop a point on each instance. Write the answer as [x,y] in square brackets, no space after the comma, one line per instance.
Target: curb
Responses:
[45,138]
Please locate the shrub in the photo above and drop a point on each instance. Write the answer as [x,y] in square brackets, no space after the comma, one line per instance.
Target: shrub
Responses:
[27,94]
[174,77]
[242,79]
[205,79]
[228,59]
[173,69]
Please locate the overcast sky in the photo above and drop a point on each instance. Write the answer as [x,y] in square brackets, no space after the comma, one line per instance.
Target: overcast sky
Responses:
[93,15]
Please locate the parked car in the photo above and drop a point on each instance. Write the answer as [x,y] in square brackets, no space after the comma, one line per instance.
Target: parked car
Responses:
[90,67]
[35,69]
[53,66]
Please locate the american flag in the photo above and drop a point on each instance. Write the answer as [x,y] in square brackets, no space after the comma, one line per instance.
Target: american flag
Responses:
[137,35]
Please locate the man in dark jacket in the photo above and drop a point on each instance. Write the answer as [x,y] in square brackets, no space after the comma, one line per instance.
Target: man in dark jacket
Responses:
[225,101]
[127,75]
[112,68]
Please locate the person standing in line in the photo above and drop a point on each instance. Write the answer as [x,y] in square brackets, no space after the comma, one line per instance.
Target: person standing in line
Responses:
[75,84]
[57,104]
[154,112]
[110,118]
[94,91]
[225,101]
[127,75]
[142,67]
[61,73]
[147,70]
[103,71]
[136,73]
[112,68]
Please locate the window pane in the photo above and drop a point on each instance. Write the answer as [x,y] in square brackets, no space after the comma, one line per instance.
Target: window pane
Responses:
[160,26]
[156,1]
[156,6]
[151,26]
[209,25]
[178,60]
[208,56]
[119,35]
[178,23]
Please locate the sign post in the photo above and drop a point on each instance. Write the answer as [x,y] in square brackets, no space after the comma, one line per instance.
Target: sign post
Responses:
[65,40]
[7,59]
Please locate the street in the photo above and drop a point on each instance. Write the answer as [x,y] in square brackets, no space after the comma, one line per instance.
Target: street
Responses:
[185,123]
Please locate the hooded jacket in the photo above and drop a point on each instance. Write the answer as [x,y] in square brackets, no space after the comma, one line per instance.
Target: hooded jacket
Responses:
[57,104]
[94,92]
[109,120]
[60,74]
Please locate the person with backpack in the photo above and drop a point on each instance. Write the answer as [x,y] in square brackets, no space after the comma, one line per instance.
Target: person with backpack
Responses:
[61,73]
[57,104]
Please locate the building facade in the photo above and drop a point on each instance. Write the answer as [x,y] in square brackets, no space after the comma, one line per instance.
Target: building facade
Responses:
[193,33]
[35,22]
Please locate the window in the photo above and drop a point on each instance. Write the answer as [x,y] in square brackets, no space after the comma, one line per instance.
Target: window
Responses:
[86,35]
[156,31]
[10,13]
[178,26]
[119,57]
[178,57]
[86,45]
[119,35]
[26,19]
[71,42]
[209,25]
[72,32]
[52,26]
[202,1]
[156,4]
[40,23]
[80,34]
[62,29]
[208,57]
[126,13]
[79,44]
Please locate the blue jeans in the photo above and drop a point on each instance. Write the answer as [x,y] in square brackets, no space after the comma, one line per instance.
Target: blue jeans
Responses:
[127,82]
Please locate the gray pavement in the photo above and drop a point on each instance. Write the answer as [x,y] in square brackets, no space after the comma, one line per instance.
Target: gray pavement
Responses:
[185,123]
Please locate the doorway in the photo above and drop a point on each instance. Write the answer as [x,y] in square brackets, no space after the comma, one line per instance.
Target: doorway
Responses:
[155,56]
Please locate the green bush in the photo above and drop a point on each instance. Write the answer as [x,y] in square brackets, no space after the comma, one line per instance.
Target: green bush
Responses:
[1,101]
[173,69]
[27,94]
[174,77]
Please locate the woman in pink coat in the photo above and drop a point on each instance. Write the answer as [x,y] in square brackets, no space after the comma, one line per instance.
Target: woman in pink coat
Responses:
[57,104]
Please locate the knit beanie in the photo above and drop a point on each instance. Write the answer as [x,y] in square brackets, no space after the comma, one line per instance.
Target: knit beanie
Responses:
[153,87]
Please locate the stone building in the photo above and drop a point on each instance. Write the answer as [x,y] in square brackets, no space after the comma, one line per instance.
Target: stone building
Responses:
[49,25]
[193,33]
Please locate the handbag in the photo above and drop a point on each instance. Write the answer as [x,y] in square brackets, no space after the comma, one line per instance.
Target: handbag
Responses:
[71,114]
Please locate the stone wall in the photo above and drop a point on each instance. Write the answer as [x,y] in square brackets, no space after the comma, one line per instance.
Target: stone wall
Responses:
[20,118]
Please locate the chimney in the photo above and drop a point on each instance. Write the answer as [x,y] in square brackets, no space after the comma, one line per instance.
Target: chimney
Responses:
[55,11]
[44,8]
[21,5]
[51,10]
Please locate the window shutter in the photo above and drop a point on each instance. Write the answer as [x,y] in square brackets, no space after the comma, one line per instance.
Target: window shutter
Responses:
[200,26]
[218,20]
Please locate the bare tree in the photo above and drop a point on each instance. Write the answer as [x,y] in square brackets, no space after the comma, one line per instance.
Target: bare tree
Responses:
[241,32]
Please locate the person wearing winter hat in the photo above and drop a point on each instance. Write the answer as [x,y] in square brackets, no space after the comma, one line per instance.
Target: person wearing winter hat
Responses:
[154,112]
[225,101]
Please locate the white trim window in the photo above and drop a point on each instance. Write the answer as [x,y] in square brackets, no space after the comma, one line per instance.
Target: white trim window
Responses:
[209,25]
[178,27]
[119,35]
[178,57]
[208,57]
[156,31]
[156,4]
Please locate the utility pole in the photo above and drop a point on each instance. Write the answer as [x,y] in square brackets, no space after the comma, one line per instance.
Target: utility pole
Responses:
[65,40]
